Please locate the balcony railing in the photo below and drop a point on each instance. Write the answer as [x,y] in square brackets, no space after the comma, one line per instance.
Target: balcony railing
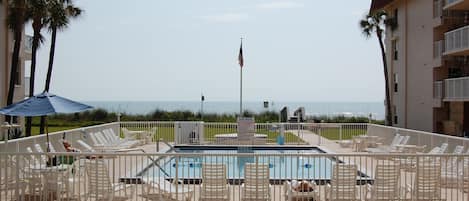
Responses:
[28,44]
[437,8]
[438,90]
[457,40]
[451,1]
[457,89]
[438,49]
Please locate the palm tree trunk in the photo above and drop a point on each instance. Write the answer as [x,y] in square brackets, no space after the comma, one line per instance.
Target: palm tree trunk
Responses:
[36,38]
[49,71]
[51,59]
[388,121]
[14,67]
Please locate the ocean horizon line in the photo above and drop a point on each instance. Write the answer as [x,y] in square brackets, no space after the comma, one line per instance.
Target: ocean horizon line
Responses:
[376,109]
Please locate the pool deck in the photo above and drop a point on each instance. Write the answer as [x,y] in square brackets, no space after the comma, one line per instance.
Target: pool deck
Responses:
[277,191]
[128,167]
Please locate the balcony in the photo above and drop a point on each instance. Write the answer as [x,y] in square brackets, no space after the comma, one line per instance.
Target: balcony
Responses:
[438,50]
[456,5]
[438,12]
[28,46]
[437,93]
[456,89]
[457,42]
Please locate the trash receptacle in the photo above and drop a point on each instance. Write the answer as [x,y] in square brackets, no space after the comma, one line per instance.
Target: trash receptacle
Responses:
[280,140]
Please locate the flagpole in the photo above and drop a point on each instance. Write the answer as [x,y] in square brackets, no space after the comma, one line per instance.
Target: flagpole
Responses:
[241,93]
[240,58]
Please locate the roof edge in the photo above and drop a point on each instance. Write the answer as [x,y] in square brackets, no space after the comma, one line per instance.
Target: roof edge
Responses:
[379,4]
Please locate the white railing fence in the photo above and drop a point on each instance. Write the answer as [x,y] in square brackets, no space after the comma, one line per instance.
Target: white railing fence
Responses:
[451,1]
[438,8]
[438,48]
[457,39]
[420,138]
[200,133]
[438,89]
[457,88]
[181,176]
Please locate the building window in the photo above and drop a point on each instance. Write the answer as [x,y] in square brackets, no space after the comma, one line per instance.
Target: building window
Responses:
[395,82]
[394,111]
[395,15]
[394,49]
[395,119]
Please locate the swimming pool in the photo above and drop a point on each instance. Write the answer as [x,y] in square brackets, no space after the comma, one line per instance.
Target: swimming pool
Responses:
[280,167]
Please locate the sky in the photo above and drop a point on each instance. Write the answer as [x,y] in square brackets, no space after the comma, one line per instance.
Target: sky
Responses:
[155,50]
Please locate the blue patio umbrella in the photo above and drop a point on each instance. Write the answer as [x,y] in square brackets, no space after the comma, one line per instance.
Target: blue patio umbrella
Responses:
[42,105]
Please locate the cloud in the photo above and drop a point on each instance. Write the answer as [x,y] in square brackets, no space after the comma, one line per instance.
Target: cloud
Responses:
[227,17]
[280,5]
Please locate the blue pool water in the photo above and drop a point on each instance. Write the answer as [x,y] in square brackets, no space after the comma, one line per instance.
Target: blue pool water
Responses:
[281,167]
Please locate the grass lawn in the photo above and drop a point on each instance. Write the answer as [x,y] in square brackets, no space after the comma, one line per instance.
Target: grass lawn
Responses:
[167,133]
[347,133]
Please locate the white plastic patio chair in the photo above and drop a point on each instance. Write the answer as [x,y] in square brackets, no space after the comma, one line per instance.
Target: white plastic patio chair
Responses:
[10,181]
[409,163]
[86,147]
[43,157]
[386,182]
[100,186]
[427,183]
[396,141]
[452,169]
[343,183]
[214,183]
[256,184]
[443,148]
[109,133]
[159,188]
[292,195]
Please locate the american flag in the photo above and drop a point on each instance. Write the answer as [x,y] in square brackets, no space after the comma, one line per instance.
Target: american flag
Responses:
[240,56]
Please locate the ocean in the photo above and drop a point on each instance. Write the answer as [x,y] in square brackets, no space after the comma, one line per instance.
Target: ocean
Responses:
[376,109]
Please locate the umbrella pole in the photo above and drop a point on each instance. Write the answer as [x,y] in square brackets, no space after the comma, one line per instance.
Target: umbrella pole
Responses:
[47,134]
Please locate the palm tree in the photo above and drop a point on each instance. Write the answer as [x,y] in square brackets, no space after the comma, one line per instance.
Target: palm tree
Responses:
[60,13]
[374,23]
[37,11]
[16,19]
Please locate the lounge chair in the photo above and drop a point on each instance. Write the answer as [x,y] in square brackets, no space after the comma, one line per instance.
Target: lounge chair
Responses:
[13,176]
[44,158]
[105,141]
[100,186]
[90,149]
[86,147]
[443,148]
[159,188]
[343,183]
[115,139]
[398,139]
[256,186]
[214,184]
[427,183]
[386,182]
[452,170]
[292,194]
[409,163]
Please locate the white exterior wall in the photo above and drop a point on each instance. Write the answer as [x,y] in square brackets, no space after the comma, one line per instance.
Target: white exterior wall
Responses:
[414,35]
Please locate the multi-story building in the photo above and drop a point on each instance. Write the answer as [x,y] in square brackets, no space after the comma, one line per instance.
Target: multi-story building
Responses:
[427,45]
[6,50]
